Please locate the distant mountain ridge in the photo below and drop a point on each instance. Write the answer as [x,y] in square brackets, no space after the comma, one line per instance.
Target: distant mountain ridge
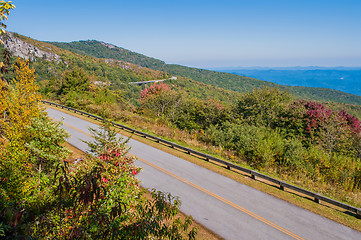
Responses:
[219,79]
[340,78]
[228,69]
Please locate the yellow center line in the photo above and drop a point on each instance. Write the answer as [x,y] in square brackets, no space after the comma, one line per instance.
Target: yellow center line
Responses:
[207,192]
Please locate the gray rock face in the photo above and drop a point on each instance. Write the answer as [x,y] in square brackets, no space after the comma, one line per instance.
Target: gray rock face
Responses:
[122,64]
[22,49]
[107,45]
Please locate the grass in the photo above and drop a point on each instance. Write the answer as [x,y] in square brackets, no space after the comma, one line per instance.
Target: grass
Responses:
[323,209]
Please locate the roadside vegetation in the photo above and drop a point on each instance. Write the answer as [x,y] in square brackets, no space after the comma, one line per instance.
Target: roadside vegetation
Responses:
[304,142]
[46,195]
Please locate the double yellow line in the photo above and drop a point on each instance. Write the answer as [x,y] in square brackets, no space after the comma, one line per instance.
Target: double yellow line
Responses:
[208,192]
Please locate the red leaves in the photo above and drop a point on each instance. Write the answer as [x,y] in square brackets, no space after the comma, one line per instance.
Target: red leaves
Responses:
[317,113]
[111,154]
[105,180]
[154,89]
[104,157]
[352,121]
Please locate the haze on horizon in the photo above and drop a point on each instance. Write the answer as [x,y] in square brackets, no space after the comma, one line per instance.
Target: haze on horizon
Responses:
[205,34]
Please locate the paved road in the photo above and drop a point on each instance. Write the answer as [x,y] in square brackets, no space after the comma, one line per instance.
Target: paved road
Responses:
[154,81]
[229,208]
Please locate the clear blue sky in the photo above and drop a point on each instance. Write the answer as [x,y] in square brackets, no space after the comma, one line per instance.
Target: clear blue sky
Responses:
[205,33]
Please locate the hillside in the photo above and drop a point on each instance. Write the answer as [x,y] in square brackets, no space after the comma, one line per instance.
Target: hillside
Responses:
[104,50]
[50,63]
[219,79]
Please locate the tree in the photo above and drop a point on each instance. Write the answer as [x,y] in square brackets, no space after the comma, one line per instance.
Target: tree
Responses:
[263,106]
[329,128]
[30,148]
[160,99]
[19,104]
[354,125]
[75,80]
[200,114]
[5,8]
[101,198]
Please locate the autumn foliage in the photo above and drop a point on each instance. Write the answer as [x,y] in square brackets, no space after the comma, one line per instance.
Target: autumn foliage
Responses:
[45,196]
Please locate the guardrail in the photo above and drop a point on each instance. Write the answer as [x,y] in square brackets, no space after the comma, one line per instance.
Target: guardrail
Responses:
[254,174]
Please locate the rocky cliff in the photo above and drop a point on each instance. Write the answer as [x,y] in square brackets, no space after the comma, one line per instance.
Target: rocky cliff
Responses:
[20,48]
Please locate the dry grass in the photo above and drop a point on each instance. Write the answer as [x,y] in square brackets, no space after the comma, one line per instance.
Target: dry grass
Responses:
[305,202]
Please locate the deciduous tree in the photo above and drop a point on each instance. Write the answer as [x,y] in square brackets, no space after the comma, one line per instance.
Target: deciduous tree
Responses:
[263,106]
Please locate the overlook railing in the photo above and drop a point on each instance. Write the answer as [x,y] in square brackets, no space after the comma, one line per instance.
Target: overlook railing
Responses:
[254,174]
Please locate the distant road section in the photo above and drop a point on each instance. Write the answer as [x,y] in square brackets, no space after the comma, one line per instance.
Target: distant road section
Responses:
[230,209]
[153,81]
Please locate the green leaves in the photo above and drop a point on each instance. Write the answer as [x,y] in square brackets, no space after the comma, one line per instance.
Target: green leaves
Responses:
[263,106]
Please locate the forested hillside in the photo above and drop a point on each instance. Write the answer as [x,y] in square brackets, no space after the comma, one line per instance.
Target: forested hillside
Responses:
[116,74]
[219,79]
[103,50]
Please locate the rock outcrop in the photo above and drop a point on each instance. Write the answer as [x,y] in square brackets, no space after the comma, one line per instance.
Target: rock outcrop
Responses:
[110,46]
[122,64]
[22,49]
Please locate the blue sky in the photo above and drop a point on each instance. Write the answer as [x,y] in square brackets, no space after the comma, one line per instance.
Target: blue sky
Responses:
[202,33]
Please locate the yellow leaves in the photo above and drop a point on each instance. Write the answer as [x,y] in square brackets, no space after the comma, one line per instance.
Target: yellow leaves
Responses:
[4,10]
[5,7]
[19,101]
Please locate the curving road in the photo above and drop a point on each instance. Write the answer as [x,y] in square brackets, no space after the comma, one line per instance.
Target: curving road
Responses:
[230,209]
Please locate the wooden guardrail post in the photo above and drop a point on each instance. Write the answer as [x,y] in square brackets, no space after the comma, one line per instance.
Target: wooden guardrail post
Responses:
[282,186]
[253,175]
[317,198]
[358,213]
